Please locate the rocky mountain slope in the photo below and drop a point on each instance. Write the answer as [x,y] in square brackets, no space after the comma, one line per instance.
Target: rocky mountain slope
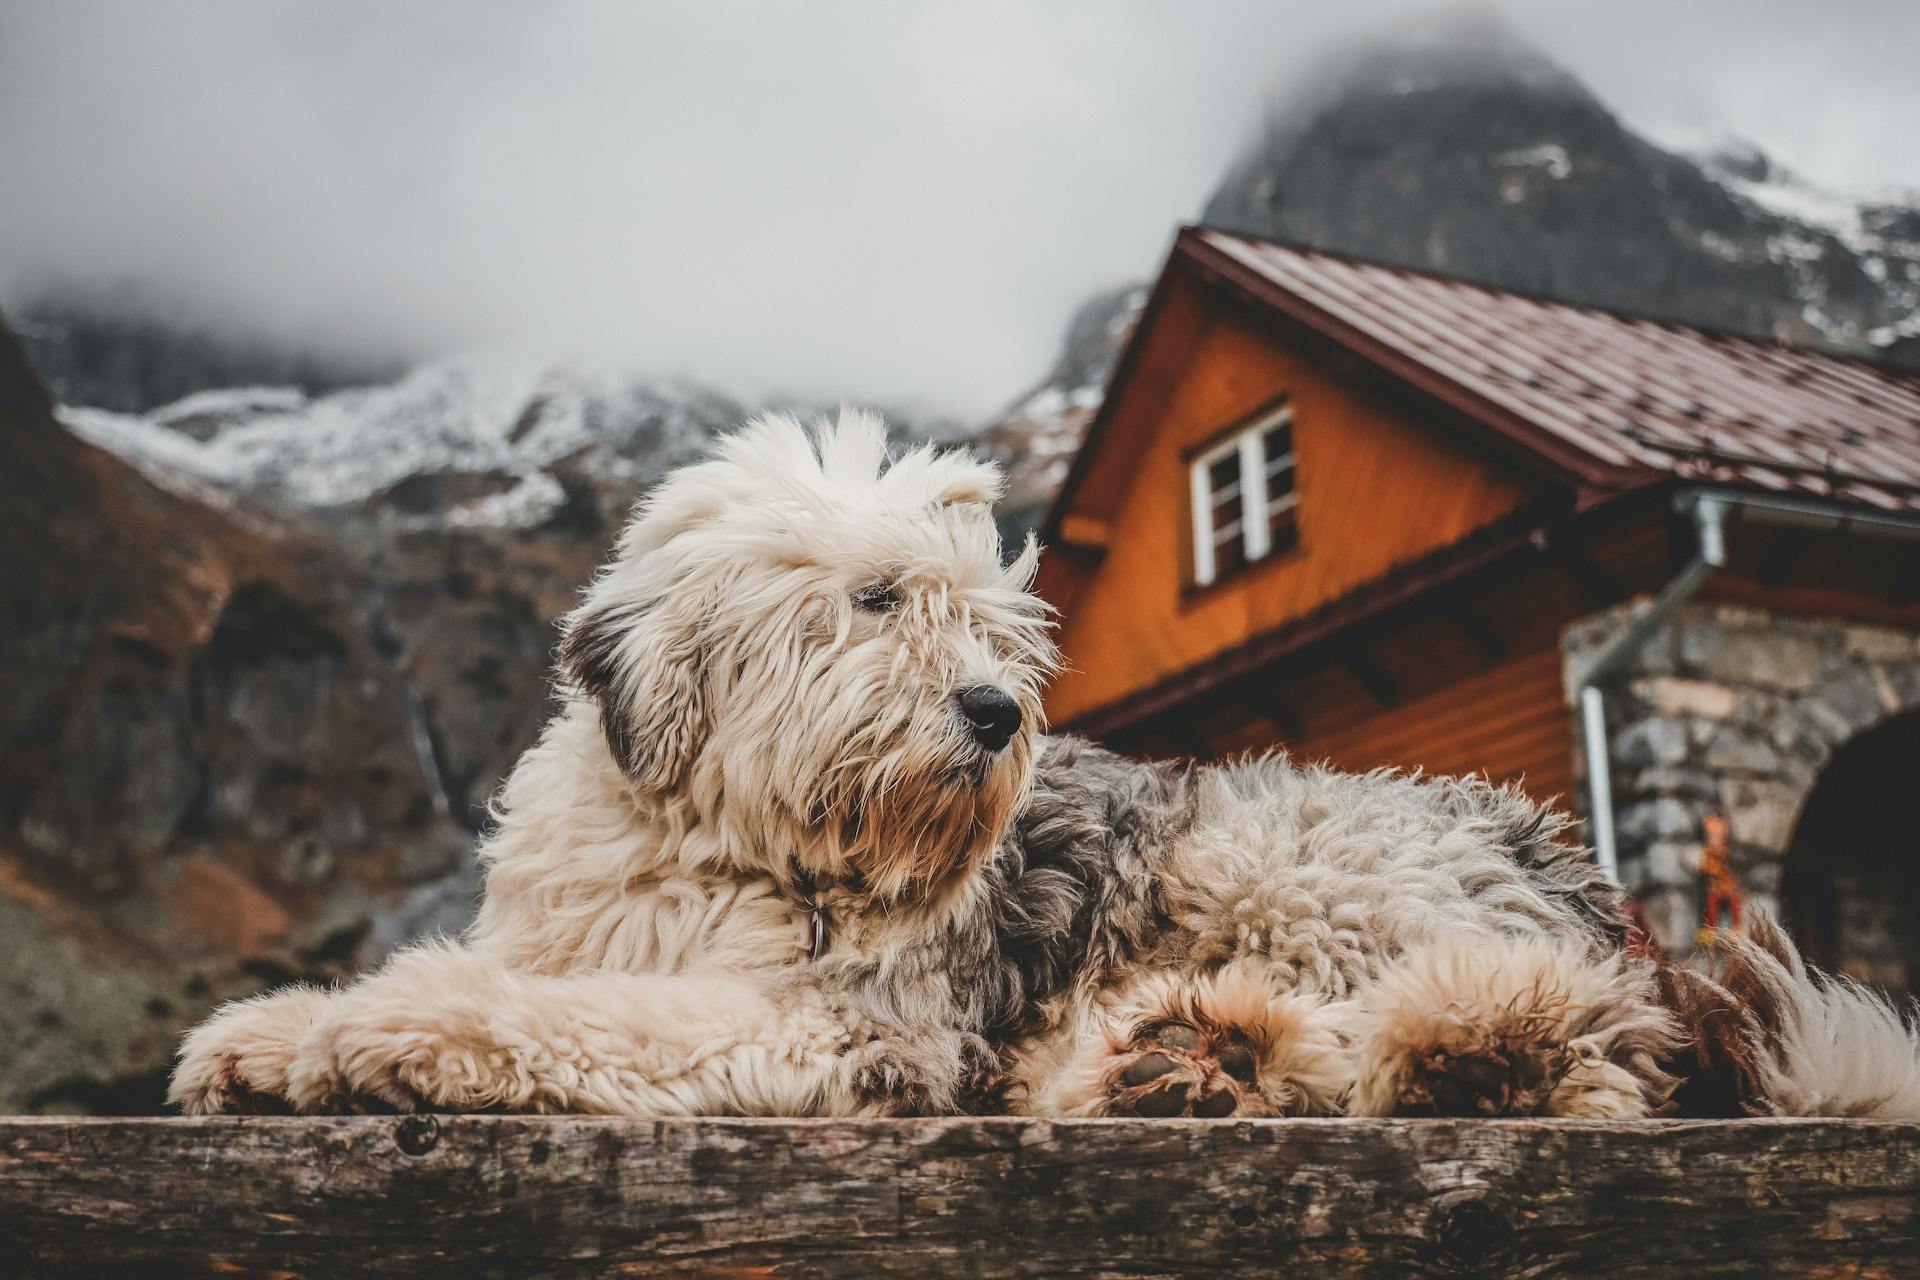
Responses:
[211,773]
[1035,438]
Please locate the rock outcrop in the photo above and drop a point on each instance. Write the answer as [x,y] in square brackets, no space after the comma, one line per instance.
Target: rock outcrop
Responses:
[212,773]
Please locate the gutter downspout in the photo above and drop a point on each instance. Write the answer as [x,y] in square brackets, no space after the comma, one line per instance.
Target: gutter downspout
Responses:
[1710,526]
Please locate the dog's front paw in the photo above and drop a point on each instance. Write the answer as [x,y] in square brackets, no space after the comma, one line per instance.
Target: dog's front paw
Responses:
[1229,1044]
[1179,1069]
[238,1062]
[1508,1068]
[347,1067]
[383,1049]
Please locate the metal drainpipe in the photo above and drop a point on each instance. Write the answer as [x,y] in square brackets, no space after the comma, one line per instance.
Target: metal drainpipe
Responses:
[1710,524]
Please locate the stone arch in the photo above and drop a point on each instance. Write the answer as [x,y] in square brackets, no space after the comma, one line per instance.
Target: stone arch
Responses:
[1846,881]
[1735,711]
[1848,702]
[1850,887]
[1809,728]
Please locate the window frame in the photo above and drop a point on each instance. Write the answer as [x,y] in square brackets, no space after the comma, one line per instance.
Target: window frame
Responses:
[1247,438]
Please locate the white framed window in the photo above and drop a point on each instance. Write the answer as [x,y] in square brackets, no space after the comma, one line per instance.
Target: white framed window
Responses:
[1243,496]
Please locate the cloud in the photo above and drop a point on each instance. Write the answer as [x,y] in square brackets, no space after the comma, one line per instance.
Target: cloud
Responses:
[885,200]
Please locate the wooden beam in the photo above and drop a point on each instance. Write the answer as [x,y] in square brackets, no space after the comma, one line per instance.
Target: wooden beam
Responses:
[1189,744]
[1906,590]
[1085,533]
[576,1196]
[1281,715]
[1481,634]
[1373,677]
[1596,583]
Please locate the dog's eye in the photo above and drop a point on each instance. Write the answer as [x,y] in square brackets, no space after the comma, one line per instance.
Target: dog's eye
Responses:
[878,597]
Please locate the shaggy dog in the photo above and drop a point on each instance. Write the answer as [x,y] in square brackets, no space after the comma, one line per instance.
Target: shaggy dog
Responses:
[793,845]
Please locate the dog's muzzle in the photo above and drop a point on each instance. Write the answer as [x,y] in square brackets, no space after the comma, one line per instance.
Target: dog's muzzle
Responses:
[992,716]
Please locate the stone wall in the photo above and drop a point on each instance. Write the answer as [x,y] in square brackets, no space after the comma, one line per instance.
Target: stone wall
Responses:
[1732,711]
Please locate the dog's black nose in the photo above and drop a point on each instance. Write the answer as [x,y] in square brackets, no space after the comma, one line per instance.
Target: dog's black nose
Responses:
[991,714]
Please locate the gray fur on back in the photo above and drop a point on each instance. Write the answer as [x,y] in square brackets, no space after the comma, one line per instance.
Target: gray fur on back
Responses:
[1326,872]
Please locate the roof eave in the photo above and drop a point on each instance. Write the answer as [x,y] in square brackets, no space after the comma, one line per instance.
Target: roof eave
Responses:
[1563,459]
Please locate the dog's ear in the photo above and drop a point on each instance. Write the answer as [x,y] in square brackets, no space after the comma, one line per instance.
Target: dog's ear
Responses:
[643,667]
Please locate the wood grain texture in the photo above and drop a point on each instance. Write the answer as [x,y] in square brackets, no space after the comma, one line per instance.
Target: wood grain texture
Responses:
[512,1196]
[1509,721]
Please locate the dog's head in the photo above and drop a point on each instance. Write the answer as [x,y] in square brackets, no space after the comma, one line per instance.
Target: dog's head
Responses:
[822,654]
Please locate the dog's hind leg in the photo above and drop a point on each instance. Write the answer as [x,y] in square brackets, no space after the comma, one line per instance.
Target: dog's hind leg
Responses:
[450,1029]
[1229,1042]
[1494,1025]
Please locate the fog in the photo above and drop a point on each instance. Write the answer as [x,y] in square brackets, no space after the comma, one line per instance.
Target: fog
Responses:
[899,201]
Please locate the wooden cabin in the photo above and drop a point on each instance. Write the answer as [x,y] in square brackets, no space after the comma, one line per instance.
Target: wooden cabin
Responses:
[1386,518]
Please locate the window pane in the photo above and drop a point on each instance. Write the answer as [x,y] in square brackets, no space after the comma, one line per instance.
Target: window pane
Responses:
[1225,471]
[1278,444]
[1243,497]
[1281,526]
[1229,553]
[1283,532]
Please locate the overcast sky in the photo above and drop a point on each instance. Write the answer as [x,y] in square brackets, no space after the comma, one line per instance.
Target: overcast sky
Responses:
[894,200]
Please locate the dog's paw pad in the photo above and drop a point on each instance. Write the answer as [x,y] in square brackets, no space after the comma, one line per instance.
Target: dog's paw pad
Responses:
[1238,1060]
[1177,1069]
[1496,1077]
[1178,1036]
[1162,1100]
[1147,1068]
[220,1088]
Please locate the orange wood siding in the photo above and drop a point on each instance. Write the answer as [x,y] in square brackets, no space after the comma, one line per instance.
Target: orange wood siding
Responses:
[1510,722]
[1376,489]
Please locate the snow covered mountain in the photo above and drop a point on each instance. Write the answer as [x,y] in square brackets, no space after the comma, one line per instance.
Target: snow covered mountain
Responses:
[482,441]
[1819,239]
[1461,149]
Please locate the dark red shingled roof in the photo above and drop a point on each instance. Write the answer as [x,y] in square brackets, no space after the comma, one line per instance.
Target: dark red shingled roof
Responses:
[1612,399]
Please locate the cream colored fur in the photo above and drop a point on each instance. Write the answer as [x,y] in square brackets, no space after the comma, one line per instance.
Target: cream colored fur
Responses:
[1840,1048]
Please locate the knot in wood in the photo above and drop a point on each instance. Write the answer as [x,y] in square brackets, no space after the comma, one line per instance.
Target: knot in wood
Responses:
[1467,1231]
[416,1135]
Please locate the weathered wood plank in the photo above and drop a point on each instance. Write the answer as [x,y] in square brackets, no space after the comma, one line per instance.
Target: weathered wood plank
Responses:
[512,1196]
